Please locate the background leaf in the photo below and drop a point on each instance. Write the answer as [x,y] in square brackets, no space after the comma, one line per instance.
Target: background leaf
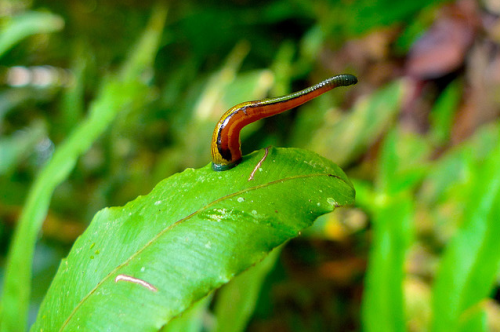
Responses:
[118,93]
[191,320]
[343,140]
[471,261]
[27,24]
[392,208]
[237,299]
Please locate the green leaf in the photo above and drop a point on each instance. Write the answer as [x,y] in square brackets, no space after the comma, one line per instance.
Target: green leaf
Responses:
[403,162]
[72,101]
[450,177]
[191,320]
[383,302]
[25,25]
[117,93]
[470,262]
[443,113]
[400,168]
[475,320]
[193,233]
[236,301]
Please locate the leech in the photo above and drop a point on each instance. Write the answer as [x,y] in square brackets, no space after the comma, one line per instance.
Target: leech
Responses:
[143,283]
[226,146]
[259,164]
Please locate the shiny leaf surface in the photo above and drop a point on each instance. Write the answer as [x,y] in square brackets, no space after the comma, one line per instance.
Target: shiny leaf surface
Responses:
[138,266]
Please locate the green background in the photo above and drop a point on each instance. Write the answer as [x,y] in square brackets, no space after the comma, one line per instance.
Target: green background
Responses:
[135,88]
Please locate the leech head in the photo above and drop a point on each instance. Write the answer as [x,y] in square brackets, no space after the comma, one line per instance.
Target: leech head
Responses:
[226,146]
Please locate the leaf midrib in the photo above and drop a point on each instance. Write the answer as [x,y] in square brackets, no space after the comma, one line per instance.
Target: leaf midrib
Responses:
[180,221]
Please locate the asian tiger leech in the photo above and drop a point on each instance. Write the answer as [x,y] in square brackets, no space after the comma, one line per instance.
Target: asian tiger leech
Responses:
[226,149]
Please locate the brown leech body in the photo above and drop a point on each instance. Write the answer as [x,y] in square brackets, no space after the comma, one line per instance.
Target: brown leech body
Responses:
[226,150]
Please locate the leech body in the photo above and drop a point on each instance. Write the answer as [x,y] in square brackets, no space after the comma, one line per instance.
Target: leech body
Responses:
[226,150]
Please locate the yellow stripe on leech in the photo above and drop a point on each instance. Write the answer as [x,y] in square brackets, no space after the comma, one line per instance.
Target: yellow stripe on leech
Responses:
[227,130]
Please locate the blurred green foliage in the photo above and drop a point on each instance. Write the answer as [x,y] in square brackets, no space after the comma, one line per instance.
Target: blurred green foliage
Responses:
[417,252]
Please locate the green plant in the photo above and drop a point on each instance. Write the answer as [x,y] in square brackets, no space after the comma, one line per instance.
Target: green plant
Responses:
[137,267]
[417,252]
[117,93]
